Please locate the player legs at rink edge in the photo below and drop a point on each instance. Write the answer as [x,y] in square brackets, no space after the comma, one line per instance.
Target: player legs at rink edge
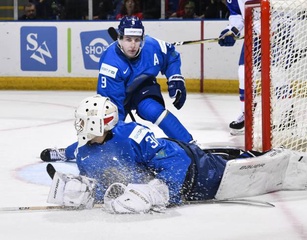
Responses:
[227,38]
[237,126]
[125,167]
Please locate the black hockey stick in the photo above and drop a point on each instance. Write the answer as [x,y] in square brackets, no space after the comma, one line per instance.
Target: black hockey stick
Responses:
[113,34]
[207,40]
[178,96]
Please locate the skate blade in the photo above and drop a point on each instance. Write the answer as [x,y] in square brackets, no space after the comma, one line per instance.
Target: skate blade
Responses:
[237,132]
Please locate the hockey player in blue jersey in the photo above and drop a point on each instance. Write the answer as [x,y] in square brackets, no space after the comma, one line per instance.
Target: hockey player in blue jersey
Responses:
[114,151]
[127,75]
[125,166]
[227,38]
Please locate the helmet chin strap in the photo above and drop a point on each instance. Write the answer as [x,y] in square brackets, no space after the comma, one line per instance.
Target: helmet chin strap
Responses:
[138,53]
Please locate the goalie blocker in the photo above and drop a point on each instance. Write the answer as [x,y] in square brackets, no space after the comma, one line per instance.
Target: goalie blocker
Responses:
[71,190]
[278,169]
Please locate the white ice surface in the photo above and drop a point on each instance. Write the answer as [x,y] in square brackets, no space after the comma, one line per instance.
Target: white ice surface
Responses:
[31,121]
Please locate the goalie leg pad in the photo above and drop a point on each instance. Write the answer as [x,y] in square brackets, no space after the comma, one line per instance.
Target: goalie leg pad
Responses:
[296,174]
[254,176]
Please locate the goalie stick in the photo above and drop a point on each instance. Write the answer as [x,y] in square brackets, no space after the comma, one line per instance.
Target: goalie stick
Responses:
[42,208]
[113,34]
[240,201]
[247,202]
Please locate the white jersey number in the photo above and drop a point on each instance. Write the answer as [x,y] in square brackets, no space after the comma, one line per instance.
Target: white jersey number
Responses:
[152,140]
[103,82]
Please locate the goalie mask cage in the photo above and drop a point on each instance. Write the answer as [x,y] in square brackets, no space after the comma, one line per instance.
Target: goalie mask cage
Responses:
[276,74]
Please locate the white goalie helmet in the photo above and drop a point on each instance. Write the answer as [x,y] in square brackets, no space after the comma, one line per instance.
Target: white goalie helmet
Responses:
[93,117]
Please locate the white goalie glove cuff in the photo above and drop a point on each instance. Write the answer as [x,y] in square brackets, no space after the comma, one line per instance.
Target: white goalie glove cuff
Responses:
[71,190]
[136,198]
[159,192]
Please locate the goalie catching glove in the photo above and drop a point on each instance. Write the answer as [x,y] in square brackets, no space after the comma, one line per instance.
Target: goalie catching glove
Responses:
[176,89]
[136,198]
[70,190]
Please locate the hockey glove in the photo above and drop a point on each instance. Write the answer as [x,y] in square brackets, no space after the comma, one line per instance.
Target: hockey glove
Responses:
[71,190]
[228,37]
[136,198]
[176,89]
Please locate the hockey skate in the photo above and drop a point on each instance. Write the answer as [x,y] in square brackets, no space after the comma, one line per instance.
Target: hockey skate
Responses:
[237,127]
[53,154]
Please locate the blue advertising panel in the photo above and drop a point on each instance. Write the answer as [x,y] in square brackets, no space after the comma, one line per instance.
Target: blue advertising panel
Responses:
[38,47]
[93,44]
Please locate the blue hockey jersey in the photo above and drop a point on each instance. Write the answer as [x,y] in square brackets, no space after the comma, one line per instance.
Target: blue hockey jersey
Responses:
[132,154]
[117,72]
[237,14]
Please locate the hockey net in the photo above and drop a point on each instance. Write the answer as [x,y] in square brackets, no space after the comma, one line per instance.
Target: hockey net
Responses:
[276,74]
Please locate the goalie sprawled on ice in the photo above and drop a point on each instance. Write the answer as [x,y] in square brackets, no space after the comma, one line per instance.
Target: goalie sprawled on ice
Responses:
[125,166]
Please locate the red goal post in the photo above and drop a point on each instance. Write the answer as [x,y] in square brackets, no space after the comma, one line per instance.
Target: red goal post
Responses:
[276,74]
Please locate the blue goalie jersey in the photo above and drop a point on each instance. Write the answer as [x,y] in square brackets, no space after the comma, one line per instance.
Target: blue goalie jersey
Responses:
[132,154]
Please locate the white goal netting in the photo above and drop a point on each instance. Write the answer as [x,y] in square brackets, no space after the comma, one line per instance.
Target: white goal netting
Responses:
[287,75]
